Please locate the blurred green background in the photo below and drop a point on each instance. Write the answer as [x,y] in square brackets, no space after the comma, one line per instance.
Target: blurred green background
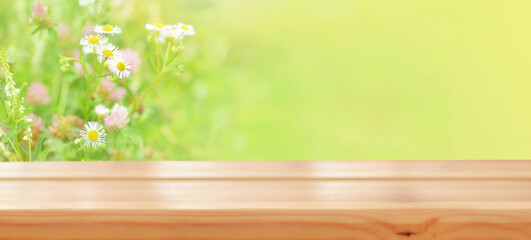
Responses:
[340,79]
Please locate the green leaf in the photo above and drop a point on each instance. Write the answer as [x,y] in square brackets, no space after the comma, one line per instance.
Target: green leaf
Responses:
[52,33]
[26,124]
[35,31]
[38,145]
[173,64]
[24,147]
[43,155]
[27,111]
[152,63]
[5,125]
[10,134]
[135,102]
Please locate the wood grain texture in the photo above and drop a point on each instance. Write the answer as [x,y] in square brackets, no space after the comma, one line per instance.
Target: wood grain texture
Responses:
[269,170]
[266,200]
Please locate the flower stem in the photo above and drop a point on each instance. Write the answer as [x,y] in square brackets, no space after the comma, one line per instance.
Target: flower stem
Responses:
[94,75]
[19,151]
[87,98]
[29,148]
[166,57]
[161,72]
[116,151]
[62,98]
[151,86]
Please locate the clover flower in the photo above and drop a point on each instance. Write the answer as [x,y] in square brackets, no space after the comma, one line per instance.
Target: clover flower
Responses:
[38,94]
[118,118]
[39,16]
[62,127]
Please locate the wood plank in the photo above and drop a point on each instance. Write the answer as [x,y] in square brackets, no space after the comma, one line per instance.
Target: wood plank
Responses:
[378,224]
[125,194]
[164,200]
[519,170]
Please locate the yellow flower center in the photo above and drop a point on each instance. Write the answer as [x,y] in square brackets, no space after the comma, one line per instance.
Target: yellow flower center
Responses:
[108,53]
[185,28]
[120,66]
[93,40]
[159,25]
[93,135]
[107,28]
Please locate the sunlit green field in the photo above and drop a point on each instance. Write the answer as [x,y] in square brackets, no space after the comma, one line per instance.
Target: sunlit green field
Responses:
[300,79]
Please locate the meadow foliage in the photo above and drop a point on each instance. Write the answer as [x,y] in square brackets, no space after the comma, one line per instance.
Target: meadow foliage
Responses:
[90,101]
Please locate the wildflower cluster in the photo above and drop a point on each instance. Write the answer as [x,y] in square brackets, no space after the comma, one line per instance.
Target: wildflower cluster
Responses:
[40,17]
[107,52]
[171,37]
[107,55]
[17,123]
[95,104]
[170,33]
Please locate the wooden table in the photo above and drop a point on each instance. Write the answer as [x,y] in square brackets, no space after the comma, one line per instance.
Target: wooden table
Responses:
[266,200]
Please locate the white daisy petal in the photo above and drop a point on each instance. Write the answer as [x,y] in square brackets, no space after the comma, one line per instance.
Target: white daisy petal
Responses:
[101,110]
[157,27]
[93,135]
[108,51]
[93,41]
[187,30]
[108,29]
[168,35]
[119,67]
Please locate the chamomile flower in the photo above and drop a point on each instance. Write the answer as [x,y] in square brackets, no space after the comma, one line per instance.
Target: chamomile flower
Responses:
[109,29]
[119,67]
[187,30]
[84,3]
[93,41]
[157,27]
[93,134]
[168,35]
[108,50]
[101,110]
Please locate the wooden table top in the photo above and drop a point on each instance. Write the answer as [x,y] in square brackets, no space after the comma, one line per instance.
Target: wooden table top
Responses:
[266,200]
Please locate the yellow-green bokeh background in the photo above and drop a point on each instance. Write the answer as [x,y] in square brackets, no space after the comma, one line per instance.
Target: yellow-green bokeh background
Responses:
[351,79]
[384,79]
